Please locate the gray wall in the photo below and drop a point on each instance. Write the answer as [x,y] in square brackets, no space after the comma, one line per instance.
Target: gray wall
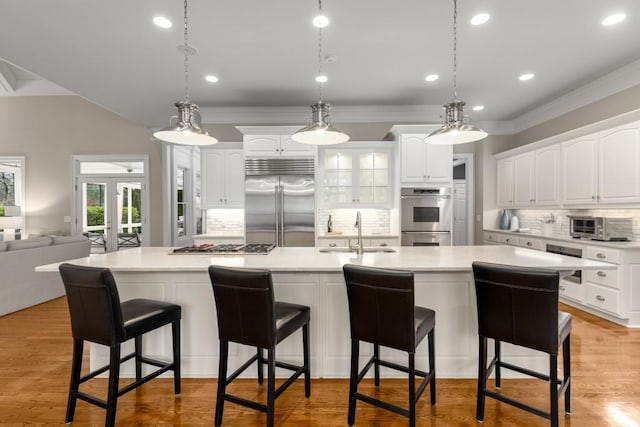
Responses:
[48,131]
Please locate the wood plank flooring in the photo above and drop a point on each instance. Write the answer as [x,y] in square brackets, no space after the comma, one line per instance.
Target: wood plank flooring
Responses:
[35,359]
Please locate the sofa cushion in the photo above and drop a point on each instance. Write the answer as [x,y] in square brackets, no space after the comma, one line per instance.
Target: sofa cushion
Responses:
[14,245]
[60,240]
[3,246]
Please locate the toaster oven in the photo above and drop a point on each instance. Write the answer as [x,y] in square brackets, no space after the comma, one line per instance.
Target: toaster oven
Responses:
[600,228]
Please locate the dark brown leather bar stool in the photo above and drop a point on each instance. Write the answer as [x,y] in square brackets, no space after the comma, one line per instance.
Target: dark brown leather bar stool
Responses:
[98,316]
[520,306]
[248,314]
[382,312]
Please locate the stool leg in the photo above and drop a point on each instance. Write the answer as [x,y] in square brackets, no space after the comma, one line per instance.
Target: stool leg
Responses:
[376,365]
[432,363]
[177,376]
[482,377]
[222,381]
[553,389]
[112,393]
[498,356]
[307,370]
[138,351]
[412,390]
[271,385]
[566,363]
[260,365]
[353,381]
[76,368]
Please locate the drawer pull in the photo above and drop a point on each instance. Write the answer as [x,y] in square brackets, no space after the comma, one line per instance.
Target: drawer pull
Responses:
[508,240]
[332,245]
[601,256]
[383,244]
[602,274]
[599,297]
[529,244]
[562,288]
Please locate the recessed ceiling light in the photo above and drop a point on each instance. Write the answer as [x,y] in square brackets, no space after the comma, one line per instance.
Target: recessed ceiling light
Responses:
[478,108]
[320,21]
[480,19]
[526,76]
[322,79]
[432,77]
[614,19]
[211,78]
[162,22]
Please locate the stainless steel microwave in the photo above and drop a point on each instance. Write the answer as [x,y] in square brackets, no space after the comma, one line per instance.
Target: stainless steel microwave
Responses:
[600,228]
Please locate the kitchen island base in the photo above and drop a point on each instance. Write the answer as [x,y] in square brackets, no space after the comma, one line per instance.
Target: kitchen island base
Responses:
[450,294]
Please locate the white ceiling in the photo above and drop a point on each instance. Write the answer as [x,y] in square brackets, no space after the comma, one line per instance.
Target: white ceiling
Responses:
[265,52]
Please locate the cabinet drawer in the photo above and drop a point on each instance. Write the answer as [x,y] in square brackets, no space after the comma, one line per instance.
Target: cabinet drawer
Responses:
[531,243]
[508,240]
[603,277]
[571,290]
[492,237]
[380,242]
[603,254]
[602,298]
[332,243]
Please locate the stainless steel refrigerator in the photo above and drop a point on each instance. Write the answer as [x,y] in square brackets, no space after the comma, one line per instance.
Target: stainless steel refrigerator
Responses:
[280,202]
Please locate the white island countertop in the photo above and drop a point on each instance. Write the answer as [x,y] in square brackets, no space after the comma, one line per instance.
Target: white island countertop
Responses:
[309,259]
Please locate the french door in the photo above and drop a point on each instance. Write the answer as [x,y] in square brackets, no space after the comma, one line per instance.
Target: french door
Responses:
[110,211]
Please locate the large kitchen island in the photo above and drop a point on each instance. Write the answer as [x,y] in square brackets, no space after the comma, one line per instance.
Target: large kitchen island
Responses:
[443,282]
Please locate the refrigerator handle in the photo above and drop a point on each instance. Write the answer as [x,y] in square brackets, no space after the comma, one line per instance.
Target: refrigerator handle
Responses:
[282,216]
[277,242]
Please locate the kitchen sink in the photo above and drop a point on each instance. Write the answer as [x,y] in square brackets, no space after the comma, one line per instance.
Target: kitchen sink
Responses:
[347,250]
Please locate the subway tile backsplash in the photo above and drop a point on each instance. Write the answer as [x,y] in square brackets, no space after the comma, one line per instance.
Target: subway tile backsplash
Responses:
[532,218]
[225,222]
[374,221]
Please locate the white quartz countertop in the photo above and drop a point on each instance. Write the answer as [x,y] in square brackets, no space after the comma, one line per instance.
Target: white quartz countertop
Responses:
[308,259]
[566,238]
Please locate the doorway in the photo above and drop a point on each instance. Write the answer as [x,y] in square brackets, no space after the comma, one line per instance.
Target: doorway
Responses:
[111,206]
[463,200]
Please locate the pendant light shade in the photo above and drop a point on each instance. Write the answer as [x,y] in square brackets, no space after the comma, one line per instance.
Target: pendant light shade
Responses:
[454,130]
[320,131]
[187,130]
[186,127]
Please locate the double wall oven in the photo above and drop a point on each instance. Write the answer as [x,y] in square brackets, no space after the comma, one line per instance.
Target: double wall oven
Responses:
[426,216]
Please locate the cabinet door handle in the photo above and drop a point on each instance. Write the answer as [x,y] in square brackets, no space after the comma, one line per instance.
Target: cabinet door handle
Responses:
[332,245]
[593,197]
[600,298]
[562,288]
[508,240]
[225,200]
[220,200]
[383,244]
[602,274]
[601,256]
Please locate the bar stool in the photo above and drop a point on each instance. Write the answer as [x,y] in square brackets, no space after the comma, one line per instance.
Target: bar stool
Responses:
[520,306]
[248,314]
[98,316]
[382,312]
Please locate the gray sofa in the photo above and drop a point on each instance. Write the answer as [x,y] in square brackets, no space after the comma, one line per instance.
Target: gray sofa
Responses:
[20,285]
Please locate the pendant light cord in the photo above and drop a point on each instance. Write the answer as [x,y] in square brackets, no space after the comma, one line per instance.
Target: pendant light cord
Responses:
[320,52]
[186,55]
[455,50]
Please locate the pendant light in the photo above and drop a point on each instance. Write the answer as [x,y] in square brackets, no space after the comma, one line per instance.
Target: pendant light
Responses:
[320,131]
[187,129]
[454,130]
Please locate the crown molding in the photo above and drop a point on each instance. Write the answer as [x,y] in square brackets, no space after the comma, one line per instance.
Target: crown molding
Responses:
[7,80]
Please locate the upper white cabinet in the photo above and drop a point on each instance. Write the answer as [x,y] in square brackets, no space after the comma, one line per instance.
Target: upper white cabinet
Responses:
[424,163]
[356,177]
[529,179]
[222,178]
[602,168]
[276,146]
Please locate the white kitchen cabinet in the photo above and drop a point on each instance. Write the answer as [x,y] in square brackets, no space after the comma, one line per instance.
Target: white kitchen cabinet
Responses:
[505,182]
[424,163]
[356,177]
[222,178]
[529,179]
[276,146]
[602,168]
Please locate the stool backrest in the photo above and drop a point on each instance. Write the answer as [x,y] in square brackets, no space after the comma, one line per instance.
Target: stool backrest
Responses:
[94,304]
[381,306]
[245,305]
[518,305]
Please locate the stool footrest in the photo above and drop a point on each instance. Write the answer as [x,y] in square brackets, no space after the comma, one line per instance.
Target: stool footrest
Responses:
[380,404]
[517,404]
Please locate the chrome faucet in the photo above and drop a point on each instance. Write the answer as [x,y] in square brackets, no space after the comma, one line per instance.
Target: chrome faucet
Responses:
[358,247]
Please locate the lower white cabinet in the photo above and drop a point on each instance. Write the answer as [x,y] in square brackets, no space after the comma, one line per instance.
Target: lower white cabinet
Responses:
[368,241]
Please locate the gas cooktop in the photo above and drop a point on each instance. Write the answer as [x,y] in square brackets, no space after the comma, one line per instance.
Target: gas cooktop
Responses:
[226,249]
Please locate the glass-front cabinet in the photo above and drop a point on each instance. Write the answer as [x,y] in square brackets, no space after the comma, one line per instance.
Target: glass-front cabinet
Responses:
[357,177]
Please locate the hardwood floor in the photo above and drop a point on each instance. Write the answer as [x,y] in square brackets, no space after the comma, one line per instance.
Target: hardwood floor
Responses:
[35,358]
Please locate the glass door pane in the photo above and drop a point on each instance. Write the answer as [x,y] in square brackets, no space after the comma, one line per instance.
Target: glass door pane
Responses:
[129,214]
[94,214]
